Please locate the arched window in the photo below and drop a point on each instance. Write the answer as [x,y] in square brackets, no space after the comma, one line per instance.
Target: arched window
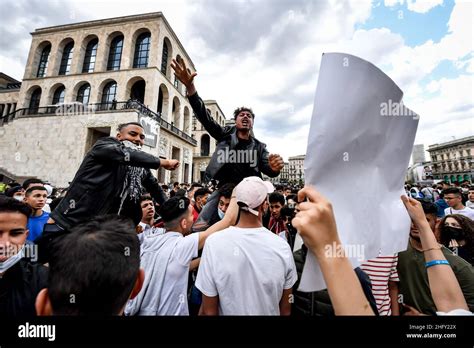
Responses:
[83,94]
[43,64]
[137,91]
[115,53]
[89,59]
[205,145]
[35,100]
[59,94]
[142,49]
[164,58]
[109,92]
[66,60]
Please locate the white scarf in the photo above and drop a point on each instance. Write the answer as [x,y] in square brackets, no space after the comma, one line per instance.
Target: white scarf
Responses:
[11,261]
[132,186]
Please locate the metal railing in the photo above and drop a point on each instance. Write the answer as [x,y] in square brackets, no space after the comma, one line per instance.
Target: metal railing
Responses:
[61,109]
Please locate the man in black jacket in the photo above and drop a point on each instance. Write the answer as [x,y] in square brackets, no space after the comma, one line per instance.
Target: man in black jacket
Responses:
[238,154]
[20,278]
[111,179]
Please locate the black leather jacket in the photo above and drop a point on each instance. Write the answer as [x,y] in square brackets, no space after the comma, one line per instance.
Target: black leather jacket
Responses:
[227,138]
[99,181]
[19,287]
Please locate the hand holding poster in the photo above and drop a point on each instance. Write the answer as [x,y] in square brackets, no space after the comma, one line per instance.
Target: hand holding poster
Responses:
[359,146]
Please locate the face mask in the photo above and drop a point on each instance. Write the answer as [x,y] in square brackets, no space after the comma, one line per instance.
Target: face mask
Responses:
[19,198]
[454,233]
[11,261]
[129,144]
[220,213]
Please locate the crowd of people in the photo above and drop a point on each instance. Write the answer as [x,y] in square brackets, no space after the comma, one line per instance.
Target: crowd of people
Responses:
[117,242]
[243,263]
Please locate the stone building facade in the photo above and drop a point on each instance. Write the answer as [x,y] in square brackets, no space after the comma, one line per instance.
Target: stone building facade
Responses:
[113,71]
[453,161]
[296,169]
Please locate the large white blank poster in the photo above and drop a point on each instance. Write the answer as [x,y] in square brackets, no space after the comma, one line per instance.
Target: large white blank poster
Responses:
[359,146]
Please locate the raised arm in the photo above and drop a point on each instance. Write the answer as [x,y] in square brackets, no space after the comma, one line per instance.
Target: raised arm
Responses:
[317,226]
[445,289]
[115,151]
[187,78]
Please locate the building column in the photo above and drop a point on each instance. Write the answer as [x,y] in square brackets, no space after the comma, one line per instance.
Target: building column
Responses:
[102,56]
[54,59]
[77,56]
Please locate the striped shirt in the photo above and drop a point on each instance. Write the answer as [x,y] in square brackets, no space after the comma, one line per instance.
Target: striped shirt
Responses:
[380,270]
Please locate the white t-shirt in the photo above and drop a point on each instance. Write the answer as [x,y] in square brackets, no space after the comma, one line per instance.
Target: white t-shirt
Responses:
[248,268]
[166,293]
[148,231]
[470,204]
[466,212]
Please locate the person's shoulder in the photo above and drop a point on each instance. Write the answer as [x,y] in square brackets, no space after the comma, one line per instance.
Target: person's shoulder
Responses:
[258,142]
[469,212]
[456,261]
[275,239]
[105,140]
[34,269]
[221,236]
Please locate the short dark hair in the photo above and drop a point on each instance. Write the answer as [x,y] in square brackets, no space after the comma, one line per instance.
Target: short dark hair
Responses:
[11,205]
[201,192]
[145,198]
[293,197]
[30,181]
[181,193]
[453,190]
[428,207]
[226,190]
[94,268]
[195,184]
[243,108]
[471,188]
[164,187]
[175,184]
[174,208]
[123,125]
[276,197]
[35,188]
[12,190]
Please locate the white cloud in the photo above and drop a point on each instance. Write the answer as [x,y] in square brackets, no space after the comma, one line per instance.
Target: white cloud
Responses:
[274,67]
[419,6]
[423,6]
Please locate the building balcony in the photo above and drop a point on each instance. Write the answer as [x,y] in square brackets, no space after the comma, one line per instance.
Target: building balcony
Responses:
[87,109]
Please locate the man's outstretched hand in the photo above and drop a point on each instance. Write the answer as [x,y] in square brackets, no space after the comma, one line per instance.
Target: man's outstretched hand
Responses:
[276,162]
[169,164]
[184,74]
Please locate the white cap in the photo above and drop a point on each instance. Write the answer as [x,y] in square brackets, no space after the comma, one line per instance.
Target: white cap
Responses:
[252,192]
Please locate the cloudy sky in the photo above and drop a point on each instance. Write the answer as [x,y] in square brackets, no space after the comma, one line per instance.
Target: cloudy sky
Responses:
[266,53]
